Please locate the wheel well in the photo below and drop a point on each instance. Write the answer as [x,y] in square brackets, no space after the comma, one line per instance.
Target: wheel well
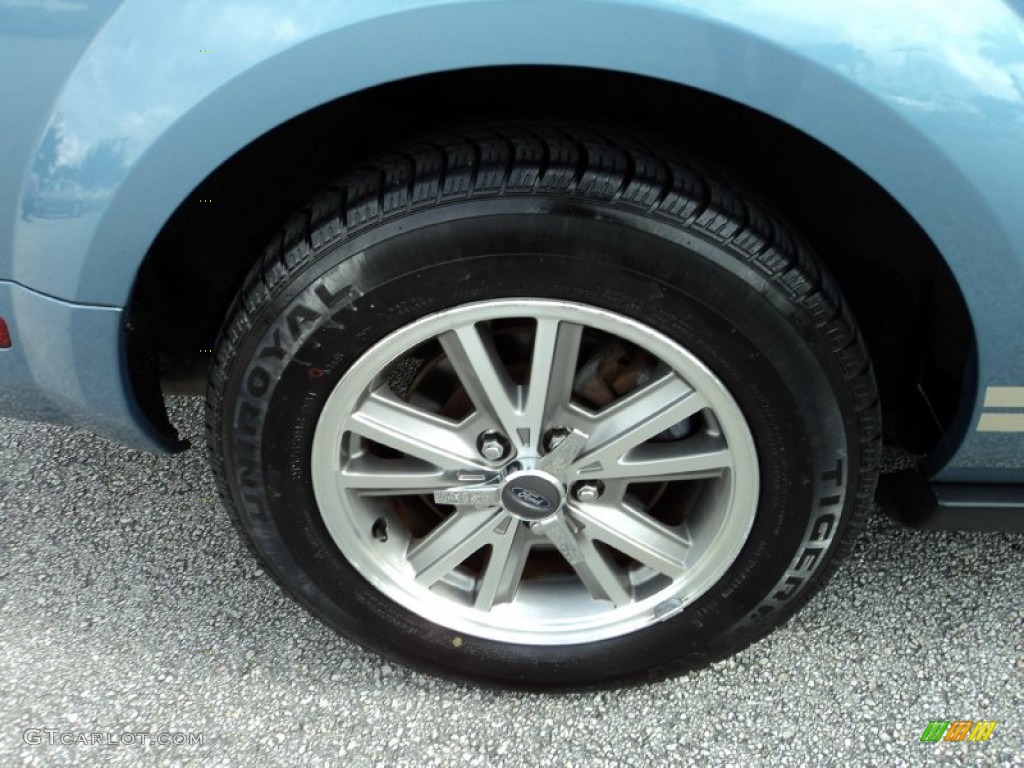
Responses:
[905,299]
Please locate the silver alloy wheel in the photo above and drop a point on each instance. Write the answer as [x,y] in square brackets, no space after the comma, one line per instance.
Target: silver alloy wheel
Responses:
[512,553]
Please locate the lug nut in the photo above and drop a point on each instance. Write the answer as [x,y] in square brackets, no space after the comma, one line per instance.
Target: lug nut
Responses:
[556,436]
[493,446]
[589,491]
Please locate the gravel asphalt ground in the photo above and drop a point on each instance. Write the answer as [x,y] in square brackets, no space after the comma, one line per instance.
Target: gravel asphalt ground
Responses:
[128,605]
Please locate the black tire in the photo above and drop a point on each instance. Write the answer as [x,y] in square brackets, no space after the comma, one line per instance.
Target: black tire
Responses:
[566,213]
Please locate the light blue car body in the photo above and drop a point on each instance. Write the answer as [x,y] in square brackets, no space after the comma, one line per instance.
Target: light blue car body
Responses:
[926,97]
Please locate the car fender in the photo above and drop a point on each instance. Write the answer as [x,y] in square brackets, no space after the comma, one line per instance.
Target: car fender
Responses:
[925,98]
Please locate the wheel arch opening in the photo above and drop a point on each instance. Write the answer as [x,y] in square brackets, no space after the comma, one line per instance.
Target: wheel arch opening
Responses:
[903,295]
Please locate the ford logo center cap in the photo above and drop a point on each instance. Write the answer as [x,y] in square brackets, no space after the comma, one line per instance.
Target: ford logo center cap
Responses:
[531,494]
[532,498]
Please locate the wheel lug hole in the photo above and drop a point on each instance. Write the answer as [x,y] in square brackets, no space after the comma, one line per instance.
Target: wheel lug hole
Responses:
[493,446]
[588,490]
[554,436]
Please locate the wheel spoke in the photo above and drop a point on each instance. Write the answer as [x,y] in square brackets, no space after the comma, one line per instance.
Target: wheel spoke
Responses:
[637,417]
[636,534]
[603,579]
[460,535]
[552,367]
[691,459]
[385,419]
[483,374]
[520,413]
[373,476]
[504,569]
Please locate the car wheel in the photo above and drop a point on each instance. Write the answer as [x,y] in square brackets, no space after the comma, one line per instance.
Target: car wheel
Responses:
[543,405]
